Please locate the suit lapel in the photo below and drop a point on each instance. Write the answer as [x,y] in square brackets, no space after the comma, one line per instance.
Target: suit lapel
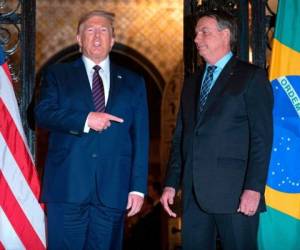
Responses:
[115,79]
[219,85]
[81,79]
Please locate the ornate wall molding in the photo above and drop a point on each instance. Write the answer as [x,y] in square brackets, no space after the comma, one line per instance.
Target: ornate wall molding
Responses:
[10,35]
[17,31]
[169,109]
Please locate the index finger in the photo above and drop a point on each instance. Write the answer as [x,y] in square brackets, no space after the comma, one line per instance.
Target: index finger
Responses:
[169,211]
[134,210]
[131,212]
[167,208]
[114,118]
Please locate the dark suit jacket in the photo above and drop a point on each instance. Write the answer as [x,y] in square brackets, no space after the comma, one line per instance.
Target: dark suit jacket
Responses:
[115,161]
[226,148]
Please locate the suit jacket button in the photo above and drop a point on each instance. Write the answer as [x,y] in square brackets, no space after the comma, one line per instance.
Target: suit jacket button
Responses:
[73,132]
[94,155]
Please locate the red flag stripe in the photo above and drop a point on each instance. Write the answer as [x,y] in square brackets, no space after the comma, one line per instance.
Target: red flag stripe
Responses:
[18,149]
[9,237]
[20,189]
[8,97]
[17,218]
[1,246]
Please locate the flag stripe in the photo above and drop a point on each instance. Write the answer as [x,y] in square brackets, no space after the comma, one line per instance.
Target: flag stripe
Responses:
[18,219]
[8,97]
[8,236]
[16,145]
[291,93]
[1,246]
[21,190]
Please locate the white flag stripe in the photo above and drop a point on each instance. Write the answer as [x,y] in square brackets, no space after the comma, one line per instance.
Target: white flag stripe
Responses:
[8,97]
[290,92]
[8,236]
[21,190]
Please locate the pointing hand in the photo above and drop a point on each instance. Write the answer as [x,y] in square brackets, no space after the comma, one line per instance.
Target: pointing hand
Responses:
[100,121]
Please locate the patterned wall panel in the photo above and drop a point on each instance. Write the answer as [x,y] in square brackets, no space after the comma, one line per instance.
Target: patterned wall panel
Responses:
[153,28]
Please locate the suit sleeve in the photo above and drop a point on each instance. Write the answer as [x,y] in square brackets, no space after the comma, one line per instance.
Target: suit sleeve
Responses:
[51,114]
[259,101]
[140,137]
[174,170]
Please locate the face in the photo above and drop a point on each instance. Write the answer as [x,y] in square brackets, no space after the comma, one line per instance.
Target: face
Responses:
[95,38]
[212,44]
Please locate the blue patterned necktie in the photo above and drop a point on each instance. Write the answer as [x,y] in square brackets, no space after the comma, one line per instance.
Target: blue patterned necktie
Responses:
[98,90]
[206,85]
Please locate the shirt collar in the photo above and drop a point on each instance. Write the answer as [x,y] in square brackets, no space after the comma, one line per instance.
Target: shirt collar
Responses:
[222,62]
[89,64]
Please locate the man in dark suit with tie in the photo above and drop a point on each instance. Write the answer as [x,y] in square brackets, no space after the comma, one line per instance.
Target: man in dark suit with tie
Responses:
[221,145]
[97,162]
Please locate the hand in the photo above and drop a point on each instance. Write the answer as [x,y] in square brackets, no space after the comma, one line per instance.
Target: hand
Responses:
[167,199]
[134,204]
[99,121]
[249,202]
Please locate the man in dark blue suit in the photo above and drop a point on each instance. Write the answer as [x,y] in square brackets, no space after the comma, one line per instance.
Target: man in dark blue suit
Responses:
[97,162]
[222,143]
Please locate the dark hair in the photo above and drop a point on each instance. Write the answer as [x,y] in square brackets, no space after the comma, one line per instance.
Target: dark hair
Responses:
[225,21]
[108,15]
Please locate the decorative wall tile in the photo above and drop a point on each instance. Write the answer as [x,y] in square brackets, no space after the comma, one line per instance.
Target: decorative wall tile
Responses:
[154,28]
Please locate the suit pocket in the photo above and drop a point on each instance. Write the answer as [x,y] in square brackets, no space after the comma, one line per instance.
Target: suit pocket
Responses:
[232,163]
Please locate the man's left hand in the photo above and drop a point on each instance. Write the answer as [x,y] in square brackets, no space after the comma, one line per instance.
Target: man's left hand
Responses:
[134,204]
[249,202]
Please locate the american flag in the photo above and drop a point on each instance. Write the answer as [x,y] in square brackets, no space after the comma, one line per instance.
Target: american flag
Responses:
[22,218]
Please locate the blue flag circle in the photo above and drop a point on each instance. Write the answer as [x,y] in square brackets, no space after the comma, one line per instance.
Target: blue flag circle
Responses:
[284,169]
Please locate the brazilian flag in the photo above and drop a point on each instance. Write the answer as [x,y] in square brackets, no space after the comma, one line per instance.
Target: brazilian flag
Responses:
[280,226]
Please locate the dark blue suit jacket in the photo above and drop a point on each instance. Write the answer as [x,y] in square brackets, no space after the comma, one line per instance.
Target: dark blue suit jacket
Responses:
[113,162]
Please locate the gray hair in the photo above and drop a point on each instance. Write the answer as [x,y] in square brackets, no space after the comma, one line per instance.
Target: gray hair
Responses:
[224,21]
